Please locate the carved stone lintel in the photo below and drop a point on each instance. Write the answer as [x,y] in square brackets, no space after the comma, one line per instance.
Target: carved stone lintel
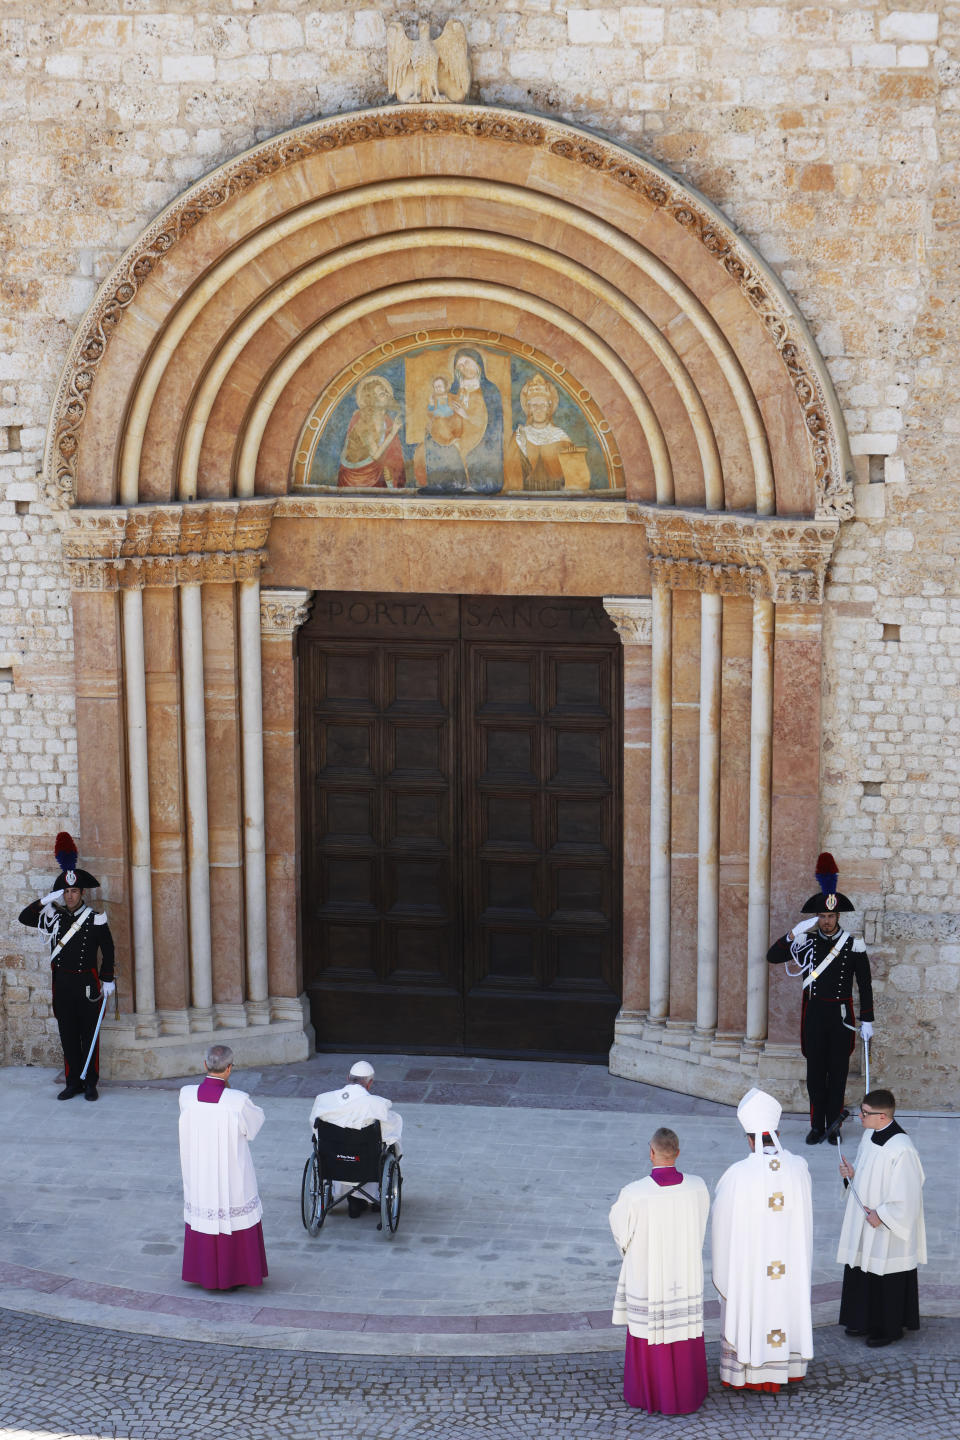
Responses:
[633,617]
[284,611]
[764,558]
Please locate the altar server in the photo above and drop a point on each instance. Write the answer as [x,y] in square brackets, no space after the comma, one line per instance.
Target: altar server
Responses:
[762,1255]
[223,1238]
[883,1239]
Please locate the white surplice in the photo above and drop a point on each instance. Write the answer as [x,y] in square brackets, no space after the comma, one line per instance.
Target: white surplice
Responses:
[659,1230]
[889,1179]
[762,1257]
[220,1193]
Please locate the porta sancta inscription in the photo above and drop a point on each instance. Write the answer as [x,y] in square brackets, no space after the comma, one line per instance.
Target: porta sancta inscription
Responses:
[471,617]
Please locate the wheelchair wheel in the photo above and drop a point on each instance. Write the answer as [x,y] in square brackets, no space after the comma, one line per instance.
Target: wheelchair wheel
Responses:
[391,1185]
[312,1194]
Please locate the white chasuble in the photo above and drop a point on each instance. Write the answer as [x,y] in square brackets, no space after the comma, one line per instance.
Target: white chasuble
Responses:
[659,1230]
[889,1179]
[219,1184]
[762,1258]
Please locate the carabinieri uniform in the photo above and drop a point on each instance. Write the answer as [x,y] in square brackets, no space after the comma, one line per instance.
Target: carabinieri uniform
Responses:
[827,1003]
[78,939]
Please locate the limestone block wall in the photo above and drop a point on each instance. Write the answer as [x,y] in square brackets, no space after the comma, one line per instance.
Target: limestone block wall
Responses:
[829,135]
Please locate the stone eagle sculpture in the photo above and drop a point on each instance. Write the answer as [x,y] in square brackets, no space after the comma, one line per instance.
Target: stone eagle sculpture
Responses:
[424,70]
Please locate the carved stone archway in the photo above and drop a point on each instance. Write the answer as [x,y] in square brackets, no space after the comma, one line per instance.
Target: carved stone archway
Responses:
[173,445]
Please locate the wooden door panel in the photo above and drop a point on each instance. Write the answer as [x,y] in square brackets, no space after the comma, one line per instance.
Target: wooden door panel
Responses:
[461,885]
[380,904]
[541,845]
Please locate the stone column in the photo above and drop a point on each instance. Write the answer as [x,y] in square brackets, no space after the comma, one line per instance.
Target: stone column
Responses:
[138,781]
[254,852]
[708,837]
[197,829]
[660,801]
[633,618]
[282,612]
[761,749]
[795,790]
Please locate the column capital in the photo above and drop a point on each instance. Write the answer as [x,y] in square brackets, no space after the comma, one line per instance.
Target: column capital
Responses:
[766,558]
[284,611]
[633,617]
[130,547]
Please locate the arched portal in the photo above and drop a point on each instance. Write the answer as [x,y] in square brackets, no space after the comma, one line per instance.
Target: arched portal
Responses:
[688,464]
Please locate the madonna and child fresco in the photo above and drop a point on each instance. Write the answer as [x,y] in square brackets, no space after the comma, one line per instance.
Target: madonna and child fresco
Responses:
[447,419]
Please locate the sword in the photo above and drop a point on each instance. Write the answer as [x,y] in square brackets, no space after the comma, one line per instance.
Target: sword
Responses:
[866,1060]
[93,1042]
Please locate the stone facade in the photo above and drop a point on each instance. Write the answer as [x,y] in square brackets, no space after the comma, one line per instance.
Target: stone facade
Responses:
[827,135]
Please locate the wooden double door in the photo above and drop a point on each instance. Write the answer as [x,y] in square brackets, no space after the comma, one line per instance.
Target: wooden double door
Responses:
[461,870]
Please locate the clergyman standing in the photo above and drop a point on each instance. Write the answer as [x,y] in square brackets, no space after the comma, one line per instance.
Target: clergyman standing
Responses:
[223,1234]
[659,1223]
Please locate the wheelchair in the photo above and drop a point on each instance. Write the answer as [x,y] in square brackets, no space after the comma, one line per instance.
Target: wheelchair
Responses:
[357,1158]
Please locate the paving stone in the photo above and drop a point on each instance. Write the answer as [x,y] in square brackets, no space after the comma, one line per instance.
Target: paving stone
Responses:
[74,1382]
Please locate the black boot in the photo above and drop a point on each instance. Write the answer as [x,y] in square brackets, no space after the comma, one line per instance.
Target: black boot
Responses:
[90,1091]
[70,1091]
[814,1136]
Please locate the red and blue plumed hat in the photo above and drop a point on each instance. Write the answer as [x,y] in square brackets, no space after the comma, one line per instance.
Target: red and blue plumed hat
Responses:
[65,850]
[828,898]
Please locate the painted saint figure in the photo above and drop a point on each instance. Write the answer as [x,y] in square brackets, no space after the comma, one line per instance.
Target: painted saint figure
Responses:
[462,453]
[540,455]
[372,457]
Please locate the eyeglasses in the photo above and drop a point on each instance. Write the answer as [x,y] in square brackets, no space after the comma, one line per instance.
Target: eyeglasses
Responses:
[864,1111]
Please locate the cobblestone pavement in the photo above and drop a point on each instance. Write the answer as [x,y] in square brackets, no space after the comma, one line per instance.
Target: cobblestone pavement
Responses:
[74,1382]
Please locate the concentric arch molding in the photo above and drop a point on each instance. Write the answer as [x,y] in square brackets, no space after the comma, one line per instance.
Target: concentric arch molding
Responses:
[807,373]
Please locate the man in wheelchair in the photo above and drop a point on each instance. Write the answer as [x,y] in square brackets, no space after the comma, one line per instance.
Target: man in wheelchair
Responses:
[354,1107]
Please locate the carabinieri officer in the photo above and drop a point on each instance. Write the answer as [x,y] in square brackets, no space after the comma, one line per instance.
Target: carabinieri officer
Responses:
[77,936]
[829,959]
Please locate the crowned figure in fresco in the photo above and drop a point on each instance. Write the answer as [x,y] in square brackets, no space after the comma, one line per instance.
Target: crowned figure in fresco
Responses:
[462,451]
[540,455]
[372,455]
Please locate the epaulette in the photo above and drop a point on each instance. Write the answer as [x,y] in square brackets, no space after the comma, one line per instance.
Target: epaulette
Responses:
[858,945]
[99,918]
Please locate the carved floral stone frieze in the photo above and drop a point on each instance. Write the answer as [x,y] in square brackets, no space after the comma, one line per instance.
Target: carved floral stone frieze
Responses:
[129,548]
[592,512]
[821,414]
[766,558]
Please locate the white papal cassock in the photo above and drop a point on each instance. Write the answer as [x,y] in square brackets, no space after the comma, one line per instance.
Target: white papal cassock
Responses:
[762,1257]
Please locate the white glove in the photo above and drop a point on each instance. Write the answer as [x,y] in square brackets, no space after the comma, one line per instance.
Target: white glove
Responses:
[107,987]
[802,926]
[49,899]
[866,1029]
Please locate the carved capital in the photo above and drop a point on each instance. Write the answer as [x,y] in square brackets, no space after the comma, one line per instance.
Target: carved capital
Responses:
[766,559]
[129,548]
[284,611]
[633,617]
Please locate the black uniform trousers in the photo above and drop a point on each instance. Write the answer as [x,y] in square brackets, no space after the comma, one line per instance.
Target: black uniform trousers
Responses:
[76,1005]
[826,1044]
